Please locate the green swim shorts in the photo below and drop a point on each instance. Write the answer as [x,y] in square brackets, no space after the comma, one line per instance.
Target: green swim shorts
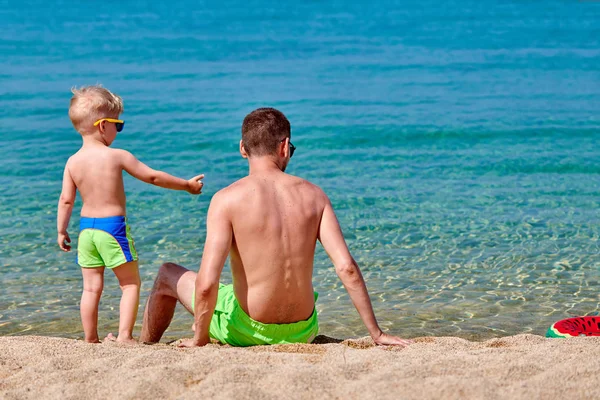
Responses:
[231,325]
[104,242]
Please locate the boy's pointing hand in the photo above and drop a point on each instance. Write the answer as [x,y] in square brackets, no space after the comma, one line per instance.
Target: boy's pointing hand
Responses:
[195,184]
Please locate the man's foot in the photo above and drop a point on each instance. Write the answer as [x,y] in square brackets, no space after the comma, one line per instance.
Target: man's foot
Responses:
[92,341]
[112,338]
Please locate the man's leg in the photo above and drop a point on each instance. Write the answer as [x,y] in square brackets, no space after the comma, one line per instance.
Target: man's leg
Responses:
[173,283]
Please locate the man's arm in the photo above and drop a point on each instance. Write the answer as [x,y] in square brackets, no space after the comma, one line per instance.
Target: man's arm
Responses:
[330,235]
[65,208]
[144,173]
[219,233]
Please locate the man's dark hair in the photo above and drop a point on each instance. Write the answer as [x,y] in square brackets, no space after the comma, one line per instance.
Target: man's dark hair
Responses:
[263,129]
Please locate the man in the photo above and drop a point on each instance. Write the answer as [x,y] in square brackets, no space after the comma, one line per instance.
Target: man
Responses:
[268,223]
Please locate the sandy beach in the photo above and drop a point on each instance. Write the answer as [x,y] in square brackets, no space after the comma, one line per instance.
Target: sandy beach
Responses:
[516,367]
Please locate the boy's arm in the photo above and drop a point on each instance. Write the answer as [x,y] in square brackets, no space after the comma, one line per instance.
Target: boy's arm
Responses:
[144,173]
[330,235]
[219,234]
[65,208]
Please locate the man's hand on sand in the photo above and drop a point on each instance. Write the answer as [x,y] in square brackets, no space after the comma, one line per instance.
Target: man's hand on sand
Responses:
[388,340]
[63,239]
[195,184]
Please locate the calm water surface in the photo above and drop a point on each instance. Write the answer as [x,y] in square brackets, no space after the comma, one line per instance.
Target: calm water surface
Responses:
[458,142]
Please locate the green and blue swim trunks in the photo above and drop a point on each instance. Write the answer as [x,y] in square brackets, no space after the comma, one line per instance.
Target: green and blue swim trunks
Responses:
[231,325]
[104,242]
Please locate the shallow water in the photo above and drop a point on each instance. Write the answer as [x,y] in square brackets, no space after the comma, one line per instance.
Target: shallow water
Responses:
[457,141]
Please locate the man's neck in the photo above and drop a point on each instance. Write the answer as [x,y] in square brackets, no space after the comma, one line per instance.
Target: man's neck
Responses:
[263,165]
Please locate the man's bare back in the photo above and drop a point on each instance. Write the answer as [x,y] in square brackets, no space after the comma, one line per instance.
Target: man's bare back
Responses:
[275,219]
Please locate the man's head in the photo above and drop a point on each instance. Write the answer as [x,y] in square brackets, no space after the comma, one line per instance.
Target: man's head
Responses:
[266,132]
[95,109]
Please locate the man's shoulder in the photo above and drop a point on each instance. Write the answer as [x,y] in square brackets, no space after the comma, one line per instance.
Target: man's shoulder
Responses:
[240,188]
[236,186]
[308,186]
[232,191]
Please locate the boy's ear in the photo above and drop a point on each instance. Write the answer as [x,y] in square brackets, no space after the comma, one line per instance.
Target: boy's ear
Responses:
[243,150]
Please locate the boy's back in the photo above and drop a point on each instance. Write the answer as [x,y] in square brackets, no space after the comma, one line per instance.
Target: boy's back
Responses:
[97,172]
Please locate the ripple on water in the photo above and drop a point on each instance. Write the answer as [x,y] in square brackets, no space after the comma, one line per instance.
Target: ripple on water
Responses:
[462,164]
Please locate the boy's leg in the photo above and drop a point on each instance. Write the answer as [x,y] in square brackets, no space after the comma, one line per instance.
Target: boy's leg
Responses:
[172,283]
[129,279]
[93,283]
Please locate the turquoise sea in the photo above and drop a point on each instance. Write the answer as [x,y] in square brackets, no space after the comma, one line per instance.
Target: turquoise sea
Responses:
[458,141]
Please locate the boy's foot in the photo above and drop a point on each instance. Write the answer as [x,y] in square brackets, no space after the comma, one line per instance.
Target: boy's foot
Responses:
[112,338]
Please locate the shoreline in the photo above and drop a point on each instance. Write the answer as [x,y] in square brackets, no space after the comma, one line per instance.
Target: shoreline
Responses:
[513,367]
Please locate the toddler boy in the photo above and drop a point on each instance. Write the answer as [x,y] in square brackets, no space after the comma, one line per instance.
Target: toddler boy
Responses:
[104,238]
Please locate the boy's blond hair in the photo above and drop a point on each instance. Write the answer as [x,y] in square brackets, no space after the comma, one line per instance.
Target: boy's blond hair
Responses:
[90,103]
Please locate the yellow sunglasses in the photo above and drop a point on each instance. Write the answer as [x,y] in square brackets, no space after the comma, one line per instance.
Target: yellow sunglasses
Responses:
[119,123]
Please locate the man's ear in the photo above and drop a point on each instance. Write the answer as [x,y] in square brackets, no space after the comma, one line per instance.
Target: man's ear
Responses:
[285,148]
[243,150]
